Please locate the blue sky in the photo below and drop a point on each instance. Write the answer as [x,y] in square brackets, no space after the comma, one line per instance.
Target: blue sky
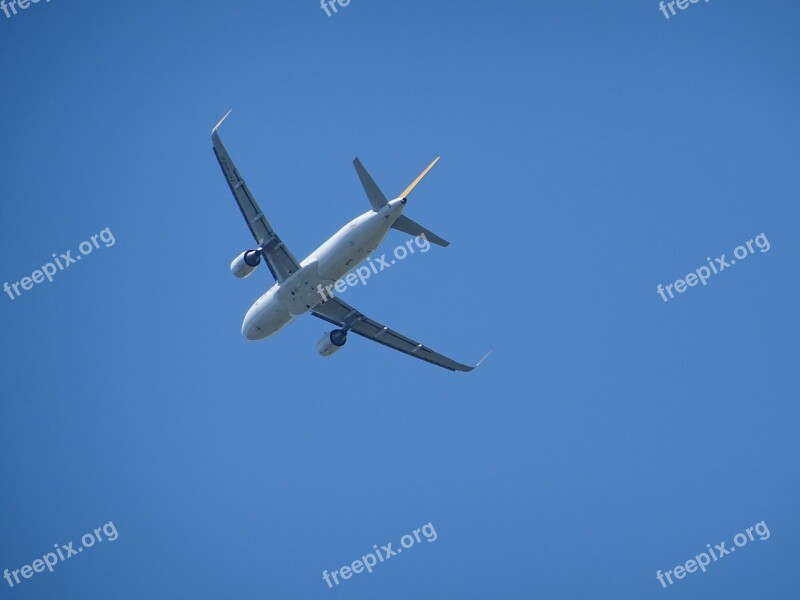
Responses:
[590,151]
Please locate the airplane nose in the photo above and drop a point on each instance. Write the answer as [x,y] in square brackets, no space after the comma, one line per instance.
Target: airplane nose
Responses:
[250,330]
[245,329]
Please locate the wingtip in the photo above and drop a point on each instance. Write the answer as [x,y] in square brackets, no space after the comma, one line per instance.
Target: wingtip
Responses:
[213,131]
[483,359]
[468,369]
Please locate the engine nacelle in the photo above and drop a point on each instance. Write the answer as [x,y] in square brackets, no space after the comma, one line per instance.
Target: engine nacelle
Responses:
[331,342]
[245,263]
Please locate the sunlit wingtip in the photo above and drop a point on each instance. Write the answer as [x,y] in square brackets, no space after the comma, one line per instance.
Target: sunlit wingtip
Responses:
[483,359]
[220,121]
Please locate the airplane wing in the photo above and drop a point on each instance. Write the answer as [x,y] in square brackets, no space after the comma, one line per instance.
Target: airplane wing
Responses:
[279,258]
[343,315]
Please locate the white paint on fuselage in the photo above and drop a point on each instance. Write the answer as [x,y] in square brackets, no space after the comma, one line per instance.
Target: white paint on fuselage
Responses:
[339,255]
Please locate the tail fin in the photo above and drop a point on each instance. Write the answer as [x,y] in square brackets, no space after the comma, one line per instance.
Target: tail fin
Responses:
[414,183]
[374,193]
[406,225]
[378,201]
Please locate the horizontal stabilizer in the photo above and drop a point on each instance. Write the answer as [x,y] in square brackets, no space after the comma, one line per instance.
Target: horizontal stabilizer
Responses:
[406,225]
[374,193]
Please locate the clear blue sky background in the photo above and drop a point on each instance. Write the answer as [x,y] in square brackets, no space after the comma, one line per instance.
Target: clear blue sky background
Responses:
[591,150]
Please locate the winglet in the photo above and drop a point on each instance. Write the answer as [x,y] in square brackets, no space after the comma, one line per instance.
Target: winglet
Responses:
[483,359]
[467,368]
[213,131]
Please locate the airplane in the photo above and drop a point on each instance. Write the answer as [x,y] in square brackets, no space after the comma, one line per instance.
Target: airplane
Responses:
[297,284]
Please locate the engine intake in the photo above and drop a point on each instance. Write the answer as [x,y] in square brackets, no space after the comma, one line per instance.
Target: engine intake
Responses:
[244,264]
[331,342]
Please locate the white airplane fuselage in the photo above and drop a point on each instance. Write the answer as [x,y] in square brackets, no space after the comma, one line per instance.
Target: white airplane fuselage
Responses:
[339,255]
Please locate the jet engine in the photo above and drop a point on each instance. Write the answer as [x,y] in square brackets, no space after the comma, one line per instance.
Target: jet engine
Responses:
[245,263]
[331,342]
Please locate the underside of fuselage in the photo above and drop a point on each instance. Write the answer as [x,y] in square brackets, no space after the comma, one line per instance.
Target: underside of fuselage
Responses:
[339,255]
